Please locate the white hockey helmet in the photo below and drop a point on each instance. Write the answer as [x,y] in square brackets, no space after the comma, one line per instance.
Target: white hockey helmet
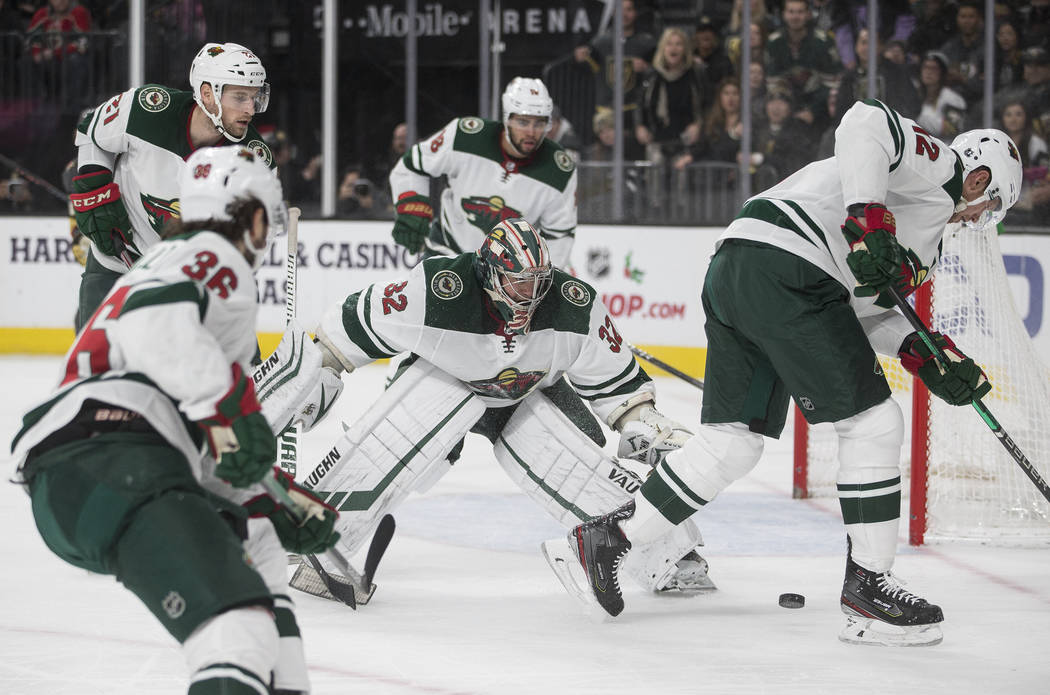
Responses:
[527,96]
[220,64]
[994,150]
[216,177]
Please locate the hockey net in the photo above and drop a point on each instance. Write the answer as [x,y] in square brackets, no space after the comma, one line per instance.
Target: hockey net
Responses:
[962,482]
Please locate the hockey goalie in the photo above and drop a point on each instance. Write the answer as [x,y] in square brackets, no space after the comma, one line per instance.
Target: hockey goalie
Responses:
[503,344]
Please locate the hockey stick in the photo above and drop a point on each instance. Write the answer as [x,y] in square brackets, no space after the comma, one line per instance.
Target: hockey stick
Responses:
[345,593]
[33,178]
[380,541]
[982,410]
[288,446]
[666,367]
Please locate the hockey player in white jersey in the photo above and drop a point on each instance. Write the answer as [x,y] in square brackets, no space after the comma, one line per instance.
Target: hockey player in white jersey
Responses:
[794,306]
[495,171]
[501,342]
[132,147]
[120,461]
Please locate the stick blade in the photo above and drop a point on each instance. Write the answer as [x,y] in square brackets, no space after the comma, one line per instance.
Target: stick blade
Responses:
[384,533]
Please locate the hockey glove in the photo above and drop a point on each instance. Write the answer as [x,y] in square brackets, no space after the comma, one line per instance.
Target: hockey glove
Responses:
[910,275]
[239,437]
[312,534]
[412,223]
[875,255]
[292,384]
[99,212]
[647,435]
[961,383]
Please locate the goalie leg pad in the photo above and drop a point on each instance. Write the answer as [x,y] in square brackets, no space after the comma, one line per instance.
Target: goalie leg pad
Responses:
[385,455]
[869,482]
[568,475]
[235,650]
[559,467]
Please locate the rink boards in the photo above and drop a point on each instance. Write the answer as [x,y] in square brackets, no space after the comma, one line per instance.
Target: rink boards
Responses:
[649,278]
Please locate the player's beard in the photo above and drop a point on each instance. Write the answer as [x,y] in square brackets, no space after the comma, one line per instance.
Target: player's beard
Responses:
[519,146]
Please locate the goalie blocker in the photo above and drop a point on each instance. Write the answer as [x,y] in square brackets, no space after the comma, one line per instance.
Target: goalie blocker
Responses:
[402,442]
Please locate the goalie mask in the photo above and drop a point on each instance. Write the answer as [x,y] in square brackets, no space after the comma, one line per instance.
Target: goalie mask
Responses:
[994,150]
[514,268]
[215,178]
[221,64]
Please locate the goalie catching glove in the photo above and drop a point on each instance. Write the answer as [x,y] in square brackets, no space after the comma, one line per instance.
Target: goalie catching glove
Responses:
[960,383]
[412,223]
[99,212]
[646,434]
[313,534]
[293,385]
[239,437]
[875,256]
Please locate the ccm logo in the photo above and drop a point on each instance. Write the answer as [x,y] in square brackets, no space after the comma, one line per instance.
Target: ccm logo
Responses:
[87,201]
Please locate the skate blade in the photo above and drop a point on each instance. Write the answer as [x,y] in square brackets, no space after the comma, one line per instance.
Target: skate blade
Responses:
[573,577]
[867,631]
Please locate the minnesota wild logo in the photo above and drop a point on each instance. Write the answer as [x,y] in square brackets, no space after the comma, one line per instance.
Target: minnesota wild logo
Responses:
[261,150]
[215,50]
[486,212]
[154,99]
[159,210]
[509,384]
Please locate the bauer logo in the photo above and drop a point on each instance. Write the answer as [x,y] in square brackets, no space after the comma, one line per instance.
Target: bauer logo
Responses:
[446,285]
[154,99]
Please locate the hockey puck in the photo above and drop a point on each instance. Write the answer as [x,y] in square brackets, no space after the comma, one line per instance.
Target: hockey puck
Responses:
[792,600]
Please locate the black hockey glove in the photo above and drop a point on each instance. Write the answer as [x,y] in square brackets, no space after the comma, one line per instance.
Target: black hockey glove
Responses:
[875,255]
[239,437]
[313,534]
[99,212]
[412,223]
[961,383]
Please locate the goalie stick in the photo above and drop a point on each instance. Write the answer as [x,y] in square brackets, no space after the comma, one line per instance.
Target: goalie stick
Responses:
[356,589]
[288,444]
[997,429]
[666,367]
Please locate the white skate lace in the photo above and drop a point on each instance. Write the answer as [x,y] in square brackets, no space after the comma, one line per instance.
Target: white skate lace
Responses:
[894,588]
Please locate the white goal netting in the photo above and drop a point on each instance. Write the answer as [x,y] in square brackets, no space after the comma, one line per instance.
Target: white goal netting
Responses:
[974,489]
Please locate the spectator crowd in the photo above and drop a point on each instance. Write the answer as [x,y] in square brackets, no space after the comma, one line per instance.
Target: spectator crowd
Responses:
[682,85]
[809,63]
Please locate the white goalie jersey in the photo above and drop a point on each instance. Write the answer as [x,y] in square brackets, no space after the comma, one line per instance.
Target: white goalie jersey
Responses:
[161,344]
[438,313]
[486,186]
[880,156]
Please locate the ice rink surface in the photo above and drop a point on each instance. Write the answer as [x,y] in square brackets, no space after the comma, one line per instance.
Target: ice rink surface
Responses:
[467,605]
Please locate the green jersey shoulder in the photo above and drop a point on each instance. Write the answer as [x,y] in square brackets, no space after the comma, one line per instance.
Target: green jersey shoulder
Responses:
[551,164]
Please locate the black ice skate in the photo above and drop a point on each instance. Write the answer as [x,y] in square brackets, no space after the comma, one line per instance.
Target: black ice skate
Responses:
[599,546]
[881,611]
